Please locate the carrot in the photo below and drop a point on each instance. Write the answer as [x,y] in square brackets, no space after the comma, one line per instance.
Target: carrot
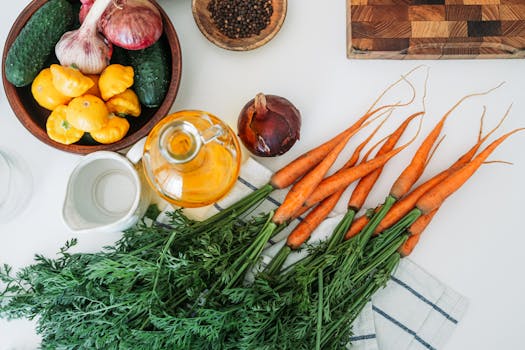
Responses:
[415,230]
[403,206]
[303,188]
[431,201]
[357,226]
[413,171]
[302,232]
[345,177]
[364,186]
[350,163]
[304,163]
[433,198]
[305,228]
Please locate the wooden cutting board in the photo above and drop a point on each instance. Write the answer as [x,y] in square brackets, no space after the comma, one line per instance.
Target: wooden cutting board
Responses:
[435,29]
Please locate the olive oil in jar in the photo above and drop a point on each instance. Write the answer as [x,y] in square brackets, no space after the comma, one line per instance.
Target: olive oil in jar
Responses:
[191,158]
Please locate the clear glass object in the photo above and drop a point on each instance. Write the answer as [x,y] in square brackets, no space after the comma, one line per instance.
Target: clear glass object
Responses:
[16,185]
[191,158]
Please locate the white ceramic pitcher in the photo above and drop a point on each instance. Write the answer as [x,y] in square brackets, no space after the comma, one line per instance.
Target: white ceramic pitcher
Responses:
[106,193]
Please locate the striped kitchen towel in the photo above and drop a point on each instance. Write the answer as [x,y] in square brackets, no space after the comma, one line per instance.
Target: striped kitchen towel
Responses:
[414,311]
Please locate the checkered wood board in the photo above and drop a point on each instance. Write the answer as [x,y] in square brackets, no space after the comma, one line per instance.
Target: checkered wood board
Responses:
[435,29]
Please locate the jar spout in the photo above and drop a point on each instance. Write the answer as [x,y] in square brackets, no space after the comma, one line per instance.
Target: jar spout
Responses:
[180,142]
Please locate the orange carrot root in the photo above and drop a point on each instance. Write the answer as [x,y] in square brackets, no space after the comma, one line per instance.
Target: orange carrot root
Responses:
[409,245]
[357,152]
[345,177]
[304,163]
[433,198]
[302,189]
[356,227]
[364,186]
[415,169]
[421,223]
[416,230]
[304,229]
[350,163]
[405,204]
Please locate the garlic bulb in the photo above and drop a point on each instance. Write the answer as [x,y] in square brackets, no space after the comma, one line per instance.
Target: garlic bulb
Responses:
[85,48]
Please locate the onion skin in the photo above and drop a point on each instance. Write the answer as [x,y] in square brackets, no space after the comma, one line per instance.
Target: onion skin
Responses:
[132,24]
[269,125]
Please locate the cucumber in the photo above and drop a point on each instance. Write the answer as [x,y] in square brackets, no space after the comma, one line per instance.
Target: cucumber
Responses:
[152,73]
[36,41]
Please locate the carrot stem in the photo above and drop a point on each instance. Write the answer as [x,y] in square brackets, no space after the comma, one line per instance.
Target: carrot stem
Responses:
[340,230]
[238,268]
[277,262]
[319,310]
[238,208]
[350,261]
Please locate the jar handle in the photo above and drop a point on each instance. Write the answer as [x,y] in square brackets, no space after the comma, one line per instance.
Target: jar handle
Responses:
[212,133]
[136,151]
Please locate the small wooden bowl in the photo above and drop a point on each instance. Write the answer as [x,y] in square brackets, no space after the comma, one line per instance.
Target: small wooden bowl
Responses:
[207,26]
[34,117]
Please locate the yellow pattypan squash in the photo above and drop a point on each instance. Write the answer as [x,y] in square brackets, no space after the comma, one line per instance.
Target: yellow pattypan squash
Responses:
[87,113]
[115,79]
[125,103]
[94,90]
[59,129]
[69,81]
[45,93]
[114,131]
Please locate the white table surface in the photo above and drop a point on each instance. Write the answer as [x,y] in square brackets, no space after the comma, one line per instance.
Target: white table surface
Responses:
[475,243]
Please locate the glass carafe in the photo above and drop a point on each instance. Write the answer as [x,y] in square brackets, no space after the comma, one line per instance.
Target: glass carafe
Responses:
[191,158]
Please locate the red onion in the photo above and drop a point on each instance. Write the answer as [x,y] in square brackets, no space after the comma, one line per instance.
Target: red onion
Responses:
[269,125]
[130,24]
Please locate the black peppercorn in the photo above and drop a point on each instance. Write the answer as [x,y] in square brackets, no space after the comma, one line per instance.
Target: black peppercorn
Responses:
[240,18]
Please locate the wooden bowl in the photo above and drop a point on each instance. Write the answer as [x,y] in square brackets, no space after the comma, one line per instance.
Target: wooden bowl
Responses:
[207,26]
[34,117]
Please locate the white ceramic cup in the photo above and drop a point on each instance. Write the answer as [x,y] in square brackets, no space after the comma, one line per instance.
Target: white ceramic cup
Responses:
[105,193]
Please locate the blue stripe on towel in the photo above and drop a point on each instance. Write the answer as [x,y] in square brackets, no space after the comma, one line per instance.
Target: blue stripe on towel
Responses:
[246,183]
[425,300]
[253,188]
[403,327]
[362,337]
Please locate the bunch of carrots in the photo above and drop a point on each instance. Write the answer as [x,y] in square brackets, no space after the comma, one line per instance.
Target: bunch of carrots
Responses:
[322,294]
